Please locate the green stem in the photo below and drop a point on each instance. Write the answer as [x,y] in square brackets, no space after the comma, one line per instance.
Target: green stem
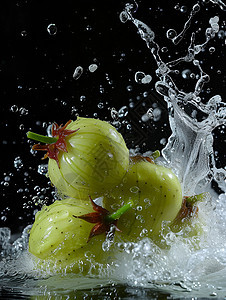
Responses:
[118,213]
[41,138]
[155,154]
[198,198]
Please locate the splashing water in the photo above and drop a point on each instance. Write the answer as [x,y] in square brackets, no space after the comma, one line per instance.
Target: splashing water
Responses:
[189,152]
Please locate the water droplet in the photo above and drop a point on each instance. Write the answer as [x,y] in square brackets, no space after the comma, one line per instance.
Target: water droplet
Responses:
[18,164]
[221,34]
[82,98]
[157,114]
[42,169]
[23,33]
[164,49]
[101,89]
[183,9]
[123,16]
[213,294]
[171,33]
[7,178]
[114,113]
[163,141]
[147,79]
[78,72]
[14,108]
[139,76]
[93,68]
[129,88]
[21,127]
[89,28]
[23,111]
[212,49]
[196,7]
[123,112]
[100,105]
[134,189]
[52,29]
[148,115]
[144,232]
[186,73]
[3,218]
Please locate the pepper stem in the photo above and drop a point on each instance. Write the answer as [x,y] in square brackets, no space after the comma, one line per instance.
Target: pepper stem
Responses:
[155,154]
[41,138]
[118,213]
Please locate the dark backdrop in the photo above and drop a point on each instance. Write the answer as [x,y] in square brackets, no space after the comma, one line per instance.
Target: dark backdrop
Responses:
[37,85]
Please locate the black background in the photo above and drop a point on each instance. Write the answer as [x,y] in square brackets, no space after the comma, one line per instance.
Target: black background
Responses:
[37,85]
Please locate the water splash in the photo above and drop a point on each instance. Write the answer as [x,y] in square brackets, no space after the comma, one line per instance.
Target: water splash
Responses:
[171,34]
[189,150]
[221,4]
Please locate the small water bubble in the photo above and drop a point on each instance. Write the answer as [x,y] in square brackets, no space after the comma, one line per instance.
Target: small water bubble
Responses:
[221,34]
[129,88]
[163,141]
[18,164]
[3,218]
[144,232]
[195,62]
[213,294]
[134,189]
[21,126]
[93,68]
[186,73]
[14,108]
[157,114]
[131,104]
[148,115]
[212,49]
[129,126]
[114,113]
[164,49]
[23,33]
[139,208]
[123,16]
[7,178]
[147,202]
[171,33]
[82,98]
[78,72]
[123,112]
[52,29]
[214,20]
[89,28]
[140,218]
[23,111]
[183,9]
[101,89]
[100,105]
[196,7]
[147,79]
[139,76]
[43,169]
